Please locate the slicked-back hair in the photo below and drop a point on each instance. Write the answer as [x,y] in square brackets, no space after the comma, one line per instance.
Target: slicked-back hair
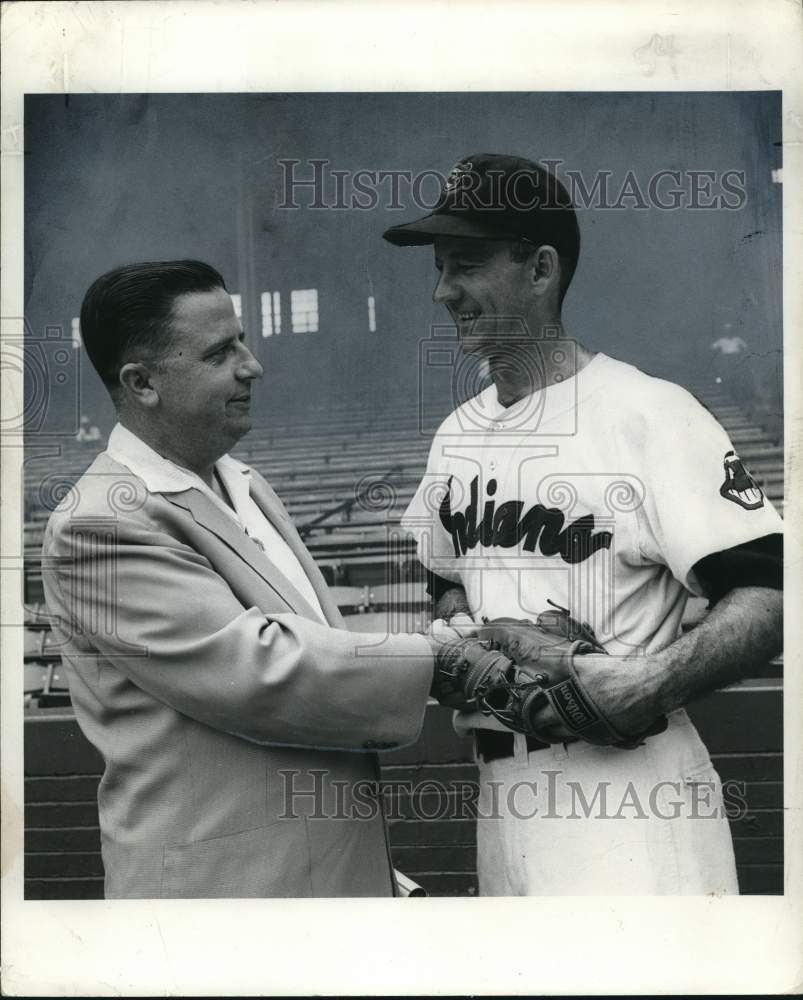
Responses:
[126,313]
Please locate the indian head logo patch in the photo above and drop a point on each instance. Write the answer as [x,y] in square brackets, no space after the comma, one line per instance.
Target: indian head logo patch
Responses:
[739,485]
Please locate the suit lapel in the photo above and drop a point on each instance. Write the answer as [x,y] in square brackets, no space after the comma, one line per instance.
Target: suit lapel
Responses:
[271,506]
[208,516]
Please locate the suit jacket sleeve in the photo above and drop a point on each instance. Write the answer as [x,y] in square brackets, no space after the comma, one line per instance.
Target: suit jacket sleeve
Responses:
[157,611]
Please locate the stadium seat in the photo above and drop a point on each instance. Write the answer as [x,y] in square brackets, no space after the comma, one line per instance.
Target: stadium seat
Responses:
[37,615]
[34,678]
[41,644]
[350,599]
[399,595]
[398,621]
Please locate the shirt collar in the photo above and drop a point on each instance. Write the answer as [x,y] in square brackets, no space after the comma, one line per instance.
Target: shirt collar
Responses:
[160,475]
[552,397]
[237,480]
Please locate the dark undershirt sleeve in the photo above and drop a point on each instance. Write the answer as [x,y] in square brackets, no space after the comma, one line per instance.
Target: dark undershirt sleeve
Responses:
[757,563]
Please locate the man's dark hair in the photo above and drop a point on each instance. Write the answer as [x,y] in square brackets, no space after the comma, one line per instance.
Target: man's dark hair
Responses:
[126,313]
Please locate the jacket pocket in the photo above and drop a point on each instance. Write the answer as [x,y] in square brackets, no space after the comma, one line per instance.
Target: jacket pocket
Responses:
[270,861]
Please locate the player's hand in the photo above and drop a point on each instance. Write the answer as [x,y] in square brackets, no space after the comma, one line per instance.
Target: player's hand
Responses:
[617,685]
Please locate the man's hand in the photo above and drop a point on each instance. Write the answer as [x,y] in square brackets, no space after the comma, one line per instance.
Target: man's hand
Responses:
[450,603]
[617,686]
[463,664]
[743,630]
[459,627]
[545,695]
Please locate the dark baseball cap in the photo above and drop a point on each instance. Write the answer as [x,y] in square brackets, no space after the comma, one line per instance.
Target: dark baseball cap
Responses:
[497,197]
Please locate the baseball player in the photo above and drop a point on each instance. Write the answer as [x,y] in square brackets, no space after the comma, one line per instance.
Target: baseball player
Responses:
[571,507]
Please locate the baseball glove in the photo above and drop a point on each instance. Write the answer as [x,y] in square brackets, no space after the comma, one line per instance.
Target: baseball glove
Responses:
[464,670]
[543,673]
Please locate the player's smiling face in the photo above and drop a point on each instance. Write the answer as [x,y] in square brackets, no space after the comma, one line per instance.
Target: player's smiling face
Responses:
[487,293]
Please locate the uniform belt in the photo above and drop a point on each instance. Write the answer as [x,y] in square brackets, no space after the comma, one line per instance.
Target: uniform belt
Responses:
[493,745]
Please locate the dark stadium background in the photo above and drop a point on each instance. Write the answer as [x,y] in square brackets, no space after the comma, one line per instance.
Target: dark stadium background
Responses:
[111,179]
[115,178]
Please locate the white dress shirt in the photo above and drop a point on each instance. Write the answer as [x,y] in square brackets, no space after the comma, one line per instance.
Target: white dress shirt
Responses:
[160,475]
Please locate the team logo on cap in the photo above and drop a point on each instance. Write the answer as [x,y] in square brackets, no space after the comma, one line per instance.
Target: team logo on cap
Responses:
[458,176]
[739,485]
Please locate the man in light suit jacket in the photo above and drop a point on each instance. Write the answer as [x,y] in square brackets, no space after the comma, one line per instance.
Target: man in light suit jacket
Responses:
[236,715]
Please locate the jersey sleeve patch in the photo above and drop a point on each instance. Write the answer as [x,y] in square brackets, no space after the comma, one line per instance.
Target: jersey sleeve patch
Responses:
[739,486]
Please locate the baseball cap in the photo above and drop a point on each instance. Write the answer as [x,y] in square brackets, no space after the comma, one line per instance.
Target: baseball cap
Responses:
[492,196]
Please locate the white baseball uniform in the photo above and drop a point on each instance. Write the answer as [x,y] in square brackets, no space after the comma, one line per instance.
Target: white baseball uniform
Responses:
[599,493]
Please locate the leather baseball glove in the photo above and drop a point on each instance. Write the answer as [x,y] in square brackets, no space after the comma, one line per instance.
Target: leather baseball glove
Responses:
[464,670]
[513,668]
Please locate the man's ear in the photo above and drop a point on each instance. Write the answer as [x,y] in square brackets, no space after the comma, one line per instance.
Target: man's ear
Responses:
[135,378]
[545,269]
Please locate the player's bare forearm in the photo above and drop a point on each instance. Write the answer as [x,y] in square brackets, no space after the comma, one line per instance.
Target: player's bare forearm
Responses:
[743,630]
[451,602]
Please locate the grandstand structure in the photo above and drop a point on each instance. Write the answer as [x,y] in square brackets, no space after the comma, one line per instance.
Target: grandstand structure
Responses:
[346,477]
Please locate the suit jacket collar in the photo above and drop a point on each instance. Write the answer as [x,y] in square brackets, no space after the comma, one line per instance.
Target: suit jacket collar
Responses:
[188,491]
[209,516]
[271,506]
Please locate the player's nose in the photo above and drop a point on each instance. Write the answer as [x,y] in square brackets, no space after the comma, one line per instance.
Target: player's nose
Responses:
[446,290]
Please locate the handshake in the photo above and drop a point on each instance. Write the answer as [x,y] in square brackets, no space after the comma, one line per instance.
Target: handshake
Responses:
[512,670]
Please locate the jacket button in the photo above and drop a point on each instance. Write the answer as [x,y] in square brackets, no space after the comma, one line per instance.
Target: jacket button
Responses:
[378,745]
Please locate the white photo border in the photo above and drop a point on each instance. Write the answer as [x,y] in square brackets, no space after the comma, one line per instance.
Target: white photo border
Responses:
[389,947]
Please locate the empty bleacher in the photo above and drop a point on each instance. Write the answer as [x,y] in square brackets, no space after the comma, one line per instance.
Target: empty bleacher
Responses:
[346,478]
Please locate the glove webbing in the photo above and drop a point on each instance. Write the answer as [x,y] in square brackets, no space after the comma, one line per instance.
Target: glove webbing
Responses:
[470,663]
